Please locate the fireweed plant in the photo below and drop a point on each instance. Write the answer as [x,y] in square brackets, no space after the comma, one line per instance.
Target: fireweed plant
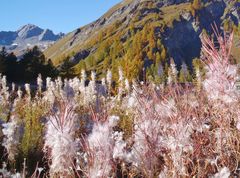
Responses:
[75,128]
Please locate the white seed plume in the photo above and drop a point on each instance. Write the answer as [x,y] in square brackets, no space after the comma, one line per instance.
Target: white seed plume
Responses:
[109,80]
[39,83]
[60,140]
[28,90]
[101,145]
[11,137]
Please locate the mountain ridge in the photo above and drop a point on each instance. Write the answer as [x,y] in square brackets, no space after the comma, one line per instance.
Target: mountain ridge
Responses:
[28,36]
[91,47]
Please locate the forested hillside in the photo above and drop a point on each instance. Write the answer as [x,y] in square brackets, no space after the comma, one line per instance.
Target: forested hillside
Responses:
[142,36]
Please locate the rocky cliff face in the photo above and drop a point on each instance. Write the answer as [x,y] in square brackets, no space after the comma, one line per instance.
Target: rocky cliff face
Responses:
[183,39]
[27,37]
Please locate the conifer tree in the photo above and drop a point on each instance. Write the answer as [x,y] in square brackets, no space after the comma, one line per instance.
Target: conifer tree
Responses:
[3,55]
[163,54]
[197,4]
[184,75]
[158,58]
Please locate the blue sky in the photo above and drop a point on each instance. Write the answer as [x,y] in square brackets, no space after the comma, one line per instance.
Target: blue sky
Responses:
[57,15]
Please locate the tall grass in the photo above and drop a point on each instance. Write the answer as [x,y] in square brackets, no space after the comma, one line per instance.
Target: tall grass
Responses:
[145,130]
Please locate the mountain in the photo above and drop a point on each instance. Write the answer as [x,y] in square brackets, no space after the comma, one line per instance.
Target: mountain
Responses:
[139,34]
[26,37]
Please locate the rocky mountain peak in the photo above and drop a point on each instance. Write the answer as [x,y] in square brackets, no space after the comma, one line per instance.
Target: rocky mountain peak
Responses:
[48,35]
[26,37]
[29,30]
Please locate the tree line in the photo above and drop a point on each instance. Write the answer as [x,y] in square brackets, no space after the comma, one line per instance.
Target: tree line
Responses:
[28,67]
